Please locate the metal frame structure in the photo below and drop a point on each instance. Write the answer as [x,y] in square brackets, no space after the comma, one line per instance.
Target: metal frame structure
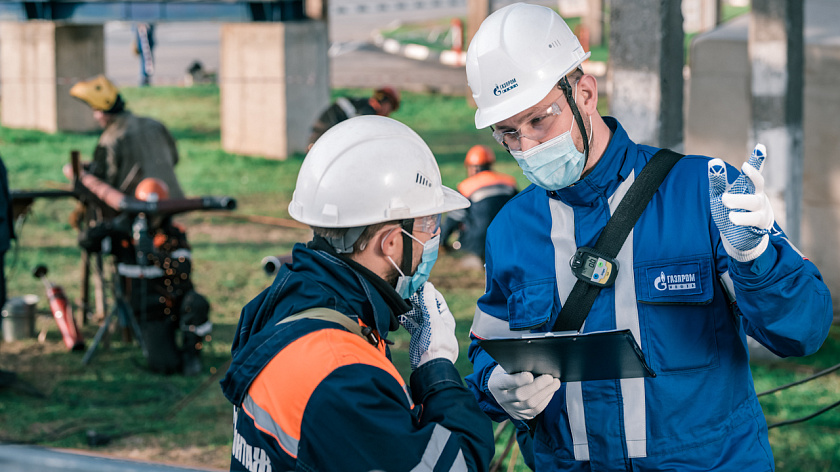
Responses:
[99,11]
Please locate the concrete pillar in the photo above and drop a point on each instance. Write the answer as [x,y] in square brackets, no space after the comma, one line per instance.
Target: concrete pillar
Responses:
[718,103]
[477,11]
[776,51]
[593,20]
[700,15]
[572,8]
[645,81]
[39,62]
[719,119]
[274,83]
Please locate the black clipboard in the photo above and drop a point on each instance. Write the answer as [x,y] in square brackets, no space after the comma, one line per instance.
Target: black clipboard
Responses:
[571,356]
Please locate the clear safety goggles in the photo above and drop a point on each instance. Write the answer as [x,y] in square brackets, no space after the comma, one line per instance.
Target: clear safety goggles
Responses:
[536,128]
[427,224]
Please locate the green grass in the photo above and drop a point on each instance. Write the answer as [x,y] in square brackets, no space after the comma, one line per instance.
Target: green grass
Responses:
[113,395]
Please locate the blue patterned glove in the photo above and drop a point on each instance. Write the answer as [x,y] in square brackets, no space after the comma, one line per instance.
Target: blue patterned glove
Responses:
[432,327]
[742,212]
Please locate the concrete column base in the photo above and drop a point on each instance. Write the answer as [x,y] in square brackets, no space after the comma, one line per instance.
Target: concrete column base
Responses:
[39,62]
[719,118]
[274,83]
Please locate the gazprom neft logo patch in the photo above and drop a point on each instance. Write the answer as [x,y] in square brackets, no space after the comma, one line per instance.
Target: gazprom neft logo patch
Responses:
[505,87]
[686,281]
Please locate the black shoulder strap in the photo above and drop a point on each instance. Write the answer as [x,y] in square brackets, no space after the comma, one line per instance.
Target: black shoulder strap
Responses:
[580,300]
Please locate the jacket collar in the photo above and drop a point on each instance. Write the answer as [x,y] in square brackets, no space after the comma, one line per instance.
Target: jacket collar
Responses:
[613,168]
[396,305]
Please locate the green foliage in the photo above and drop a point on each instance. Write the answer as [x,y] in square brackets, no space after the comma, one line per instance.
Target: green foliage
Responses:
[114,395]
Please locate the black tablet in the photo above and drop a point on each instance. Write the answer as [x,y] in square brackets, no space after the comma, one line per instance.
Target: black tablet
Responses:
[572,357]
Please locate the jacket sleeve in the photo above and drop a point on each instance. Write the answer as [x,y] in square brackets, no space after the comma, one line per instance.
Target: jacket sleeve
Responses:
[328,400]
[785,303]
[491,319]
[360,418]
[444,400]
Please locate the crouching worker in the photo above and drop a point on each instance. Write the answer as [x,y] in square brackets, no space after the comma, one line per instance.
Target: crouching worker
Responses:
[311,379]
[153,258]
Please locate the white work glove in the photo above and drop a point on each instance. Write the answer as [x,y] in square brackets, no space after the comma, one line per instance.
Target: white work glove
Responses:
[742,212]
[432,327]
[521,395]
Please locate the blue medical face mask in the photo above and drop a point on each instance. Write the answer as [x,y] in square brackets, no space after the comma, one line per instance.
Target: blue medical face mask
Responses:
[407,285]
[554,164]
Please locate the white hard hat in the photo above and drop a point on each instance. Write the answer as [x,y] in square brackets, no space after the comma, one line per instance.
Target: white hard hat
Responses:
[516,57]
[366,170]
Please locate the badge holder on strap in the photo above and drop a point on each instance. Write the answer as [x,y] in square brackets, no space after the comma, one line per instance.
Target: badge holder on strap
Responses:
[596,267]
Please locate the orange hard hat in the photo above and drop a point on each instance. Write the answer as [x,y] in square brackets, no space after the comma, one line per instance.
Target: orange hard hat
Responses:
[388,93]
[151,190]
[480,155]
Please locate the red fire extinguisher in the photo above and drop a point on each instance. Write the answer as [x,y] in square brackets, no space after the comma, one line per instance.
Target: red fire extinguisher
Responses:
[62,311]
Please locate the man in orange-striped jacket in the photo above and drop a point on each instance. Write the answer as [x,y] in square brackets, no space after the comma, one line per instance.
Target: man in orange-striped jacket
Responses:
[488,191]
[311,381]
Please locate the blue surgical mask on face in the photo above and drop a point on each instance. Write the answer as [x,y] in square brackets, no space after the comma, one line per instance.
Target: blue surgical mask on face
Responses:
[407,285]
[554,164]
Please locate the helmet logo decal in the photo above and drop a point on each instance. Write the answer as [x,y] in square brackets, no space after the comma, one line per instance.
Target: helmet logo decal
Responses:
[422,180]
[505,87]
[554,44]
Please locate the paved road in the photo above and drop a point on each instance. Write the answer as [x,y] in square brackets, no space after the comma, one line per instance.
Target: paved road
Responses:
[355,61]
[17,458]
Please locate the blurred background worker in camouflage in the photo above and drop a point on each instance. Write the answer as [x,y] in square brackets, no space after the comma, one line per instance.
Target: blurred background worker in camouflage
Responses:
[383,102]
[154,262]
[488,191]
[131,148]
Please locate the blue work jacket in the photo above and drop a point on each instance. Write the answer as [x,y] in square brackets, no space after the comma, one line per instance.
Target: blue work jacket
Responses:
[311,395]
[700,412]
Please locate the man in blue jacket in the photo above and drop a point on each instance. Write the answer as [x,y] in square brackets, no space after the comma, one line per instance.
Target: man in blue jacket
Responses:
[311,381]
[699,247]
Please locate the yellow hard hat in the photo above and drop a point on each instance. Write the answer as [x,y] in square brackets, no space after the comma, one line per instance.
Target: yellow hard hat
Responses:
[98,92]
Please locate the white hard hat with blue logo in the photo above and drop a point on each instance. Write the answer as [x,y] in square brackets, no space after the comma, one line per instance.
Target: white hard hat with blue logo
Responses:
[516,57]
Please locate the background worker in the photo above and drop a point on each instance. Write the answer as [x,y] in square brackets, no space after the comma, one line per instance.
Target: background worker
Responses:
[144,48]
[488,191]
[7,233]
[7,228]
[384,101]
[700,412]
[131,148]
[311,380]
[154,260]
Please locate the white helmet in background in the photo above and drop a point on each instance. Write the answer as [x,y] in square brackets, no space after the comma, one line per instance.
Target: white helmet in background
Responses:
[366,170]
[516,57]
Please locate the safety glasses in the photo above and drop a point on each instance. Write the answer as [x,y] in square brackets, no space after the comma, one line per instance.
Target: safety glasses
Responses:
[536,128]
[427,224]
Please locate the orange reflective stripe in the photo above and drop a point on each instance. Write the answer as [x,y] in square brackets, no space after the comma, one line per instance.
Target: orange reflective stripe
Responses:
[283,388]
[484,179]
